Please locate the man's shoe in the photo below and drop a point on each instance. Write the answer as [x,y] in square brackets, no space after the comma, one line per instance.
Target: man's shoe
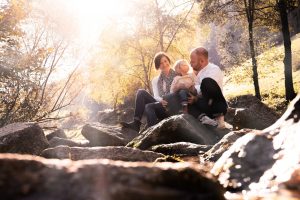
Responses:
[134,125]
[204,119]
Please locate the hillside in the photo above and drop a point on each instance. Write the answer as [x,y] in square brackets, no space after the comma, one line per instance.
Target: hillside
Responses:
[238,80]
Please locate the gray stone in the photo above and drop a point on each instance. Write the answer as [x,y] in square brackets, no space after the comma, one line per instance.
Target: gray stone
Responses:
[179,128]
[223,145]
[263,159]
[56,141]
[181,148]
[112,153]
[23,138]
[31,178]
[57,133]
[105,135]
[113,117]
[248,112]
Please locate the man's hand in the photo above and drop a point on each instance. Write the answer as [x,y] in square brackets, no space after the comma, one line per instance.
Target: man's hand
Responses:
[164,103]
[193,90]
[192,99]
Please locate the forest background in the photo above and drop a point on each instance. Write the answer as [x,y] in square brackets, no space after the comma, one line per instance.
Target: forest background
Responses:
[73,58]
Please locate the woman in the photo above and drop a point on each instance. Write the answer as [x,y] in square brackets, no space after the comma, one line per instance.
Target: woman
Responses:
[153,107]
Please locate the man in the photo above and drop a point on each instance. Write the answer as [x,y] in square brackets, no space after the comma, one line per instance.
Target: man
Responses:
[209,106]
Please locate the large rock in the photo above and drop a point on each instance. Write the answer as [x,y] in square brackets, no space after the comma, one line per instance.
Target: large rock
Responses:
[248,112]
[223,145]
[265,159]
[57,133]
[181,148]
[34,178]
[105,135]
[112,153]
[56,141]
[113,117]
[23,138]
[179,128]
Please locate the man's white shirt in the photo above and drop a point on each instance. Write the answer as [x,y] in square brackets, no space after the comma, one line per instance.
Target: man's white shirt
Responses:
[210,71]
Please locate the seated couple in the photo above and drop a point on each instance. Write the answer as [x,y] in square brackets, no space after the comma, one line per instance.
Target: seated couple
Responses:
[199,93]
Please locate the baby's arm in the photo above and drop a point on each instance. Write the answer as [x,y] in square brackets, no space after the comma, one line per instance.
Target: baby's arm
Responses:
[174,85]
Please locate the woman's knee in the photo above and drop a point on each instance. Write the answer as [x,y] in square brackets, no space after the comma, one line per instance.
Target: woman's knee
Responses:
[141,92]
[148,107]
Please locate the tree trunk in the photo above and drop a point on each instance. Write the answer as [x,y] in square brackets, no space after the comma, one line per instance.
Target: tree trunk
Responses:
[160,26]
[250,7]
[146,72]
[288,73]
[254,62]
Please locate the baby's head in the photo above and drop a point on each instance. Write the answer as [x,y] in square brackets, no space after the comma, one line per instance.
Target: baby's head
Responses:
[182,67]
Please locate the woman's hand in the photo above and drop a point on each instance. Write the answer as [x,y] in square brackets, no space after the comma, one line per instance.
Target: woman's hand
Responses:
[164,103]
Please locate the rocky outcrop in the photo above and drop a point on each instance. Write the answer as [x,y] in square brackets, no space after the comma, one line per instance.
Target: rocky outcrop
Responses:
[32,178]
[179,128]
[248,112]
[57,133]
[112,153]
[264,160]
[23,138]
[56,141]
[105,135]
[181,148]
[223,145]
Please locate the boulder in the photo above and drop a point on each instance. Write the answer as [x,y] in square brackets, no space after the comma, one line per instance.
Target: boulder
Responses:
[263,160]
[112,153]
[223,145]
[248,112]
[113,117]
[23,138]
[57,133]
[108,116]
[106,135]
[181,148]
[30,178]
[179,128]
[56,141]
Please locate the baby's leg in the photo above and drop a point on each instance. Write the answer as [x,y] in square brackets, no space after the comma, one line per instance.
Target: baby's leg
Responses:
[183,97]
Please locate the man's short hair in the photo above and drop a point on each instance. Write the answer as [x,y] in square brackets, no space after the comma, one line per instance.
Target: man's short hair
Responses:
[200,51]
[158,57]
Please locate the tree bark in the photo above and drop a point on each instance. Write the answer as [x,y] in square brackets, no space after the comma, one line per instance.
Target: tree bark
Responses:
[254,62]
[160,26]
[288,73]
[249,5]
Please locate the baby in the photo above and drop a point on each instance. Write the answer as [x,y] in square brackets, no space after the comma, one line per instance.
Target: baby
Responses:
[183,84]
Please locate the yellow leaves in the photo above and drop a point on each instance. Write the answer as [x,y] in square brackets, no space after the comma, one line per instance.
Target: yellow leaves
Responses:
[50,50]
